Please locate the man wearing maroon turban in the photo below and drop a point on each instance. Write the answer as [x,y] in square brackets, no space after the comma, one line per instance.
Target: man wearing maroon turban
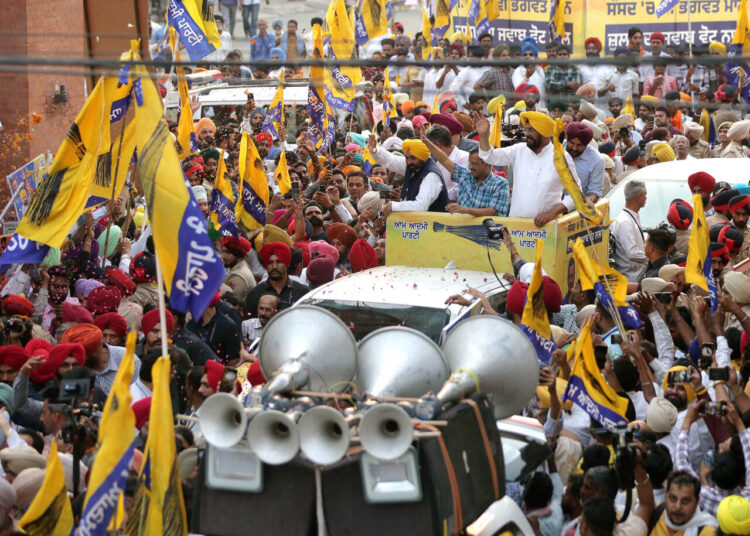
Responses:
[114,328]
[588,161]
[239,280]
[276,257]
[703,183]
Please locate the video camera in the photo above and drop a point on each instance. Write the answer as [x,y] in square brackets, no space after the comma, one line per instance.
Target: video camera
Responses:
[494,230]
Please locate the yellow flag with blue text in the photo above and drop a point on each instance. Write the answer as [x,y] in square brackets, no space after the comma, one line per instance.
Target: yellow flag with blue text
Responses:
[341,79]
[372,21]
[192,269]
[698,265]
[194,21]
[588,212]
[389,107]
[609,285]
[322,126]
[556,27]
[282,175]
[534,321]
[166,509]
[222,206]
[254,194]
[89,160]
[116,447]
[738,72]
[442,18]
[50,513]
[275,114]
[587,387]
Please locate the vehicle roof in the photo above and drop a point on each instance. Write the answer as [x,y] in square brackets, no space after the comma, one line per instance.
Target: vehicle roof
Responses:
[424,287]
[731,170]
[294,93]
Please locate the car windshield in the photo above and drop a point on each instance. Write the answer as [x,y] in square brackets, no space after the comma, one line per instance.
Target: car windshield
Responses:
[364,318]
[659,194]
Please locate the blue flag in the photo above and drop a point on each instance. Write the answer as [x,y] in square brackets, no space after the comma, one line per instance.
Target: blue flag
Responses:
[665,6]
[628,314]
[21,250]
[195,34]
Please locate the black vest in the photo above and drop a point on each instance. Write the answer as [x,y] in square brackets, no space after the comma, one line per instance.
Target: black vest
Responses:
[413,181]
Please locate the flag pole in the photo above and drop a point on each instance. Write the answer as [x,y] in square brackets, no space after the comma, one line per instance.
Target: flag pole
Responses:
[690,54]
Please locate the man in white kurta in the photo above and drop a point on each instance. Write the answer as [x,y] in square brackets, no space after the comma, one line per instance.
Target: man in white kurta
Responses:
[537,190]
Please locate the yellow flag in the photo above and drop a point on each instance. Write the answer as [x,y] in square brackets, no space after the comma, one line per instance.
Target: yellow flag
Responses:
[209,23]
[83,165]
[534,311]
[434,104]
[628,108]
[372,21]
[254,194]
[590,273]
[342,79]
[166,510]
[587,211]
[50,513]
[282,175]
[427,36]
[492,8]
[698,263]
[496,134]
[389,107]
[443,17]
[587,387]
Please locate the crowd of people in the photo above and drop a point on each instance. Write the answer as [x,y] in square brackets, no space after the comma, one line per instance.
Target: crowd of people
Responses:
[684,373]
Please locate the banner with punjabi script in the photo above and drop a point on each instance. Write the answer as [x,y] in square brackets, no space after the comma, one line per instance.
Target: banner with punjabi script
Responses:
[609,20]
[433,239]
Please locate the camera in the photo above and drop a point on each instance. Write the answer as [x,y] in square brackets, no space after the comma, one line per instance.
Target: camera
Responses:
[384,194]
[679,376]
[714,409]
[624,456]
[642,147]
[295,191]
[72,390]
[494,230]
[624,132]
[707,355]
[663,297]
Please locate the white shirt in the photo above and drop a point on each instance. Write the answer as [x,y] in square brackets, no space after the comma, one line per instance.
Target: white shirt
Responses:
[536,79]
[536,184]
[251,328]
[647,69]
[139,391]
[429,190]
[626,84]
[630,257]
[430,90]
[221,53]
[463,85]
[593,74]
[699,440]
[457,156]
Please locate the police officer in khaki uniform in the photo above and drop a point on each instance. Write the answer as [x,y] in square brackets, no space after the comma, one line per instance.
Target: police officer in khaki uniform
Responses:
[239,280]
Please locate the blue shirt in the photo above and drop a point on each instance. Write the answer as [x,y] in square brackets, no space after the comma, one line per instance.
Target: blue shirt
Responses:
[493,192]
[260,46]
[590,167]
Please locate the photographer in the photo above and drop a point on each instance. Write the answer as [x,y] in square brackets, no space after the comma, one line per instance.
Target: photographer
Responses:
[726,475]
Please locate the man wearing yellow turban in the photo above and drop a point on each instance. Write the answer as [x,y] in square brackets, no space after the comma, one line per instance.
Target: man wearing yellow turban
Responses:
[423,188]
[661,152]
[537,189]
[734,516]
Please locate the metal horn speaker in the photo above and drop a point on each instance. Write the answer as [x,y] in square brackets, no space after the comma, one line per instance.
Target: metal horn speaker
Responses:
[274,437]
[307,346]
[223,420]
[400,362]
[493,355]
[324,435]
[386,431]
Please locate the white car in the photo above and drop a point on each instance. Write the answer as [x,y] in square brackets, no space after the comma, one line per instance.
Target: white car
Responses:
[667,181]
[404,296]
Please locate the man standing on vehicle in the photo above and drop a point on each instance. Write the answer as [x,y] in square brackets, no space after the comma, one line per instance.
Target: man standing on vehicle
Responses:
[587,159]
[629,247]
[423,189]
[537,192]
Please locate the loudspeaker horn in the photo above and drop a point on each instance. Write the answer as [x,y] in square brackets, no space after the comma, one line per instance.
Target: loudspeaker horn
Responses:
[324,356]
[490,354]
[274,437]
[400,362]
[223,420]
[324,435]
[386,431]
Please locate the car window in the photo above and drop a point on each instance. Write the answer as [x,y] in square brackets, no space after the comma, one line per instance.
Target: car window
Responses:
[659,195]
[363,318]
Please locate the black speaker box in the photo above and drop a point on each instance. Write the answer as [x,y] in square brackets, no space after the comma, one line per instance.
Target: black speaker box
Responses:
[348,513]
[286,505]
